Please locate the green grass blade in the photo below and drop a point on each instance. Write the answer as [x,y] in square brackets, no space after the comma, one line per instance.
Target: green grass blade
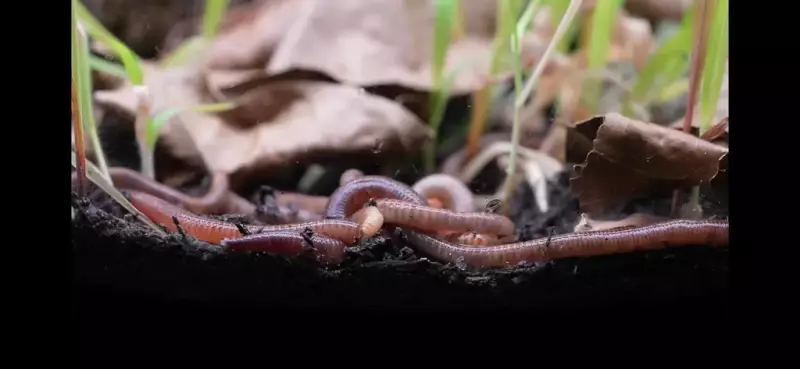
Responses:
[603,19]
[94,175]
[523,24]
[522,92]
[714,68]
[538,69]
[212,17]
[102,65]
[83,86]
[439,104]
[129,59]
[668,62]
[557,10]
[155,124]
[507,12]
[445,14]
[673,91]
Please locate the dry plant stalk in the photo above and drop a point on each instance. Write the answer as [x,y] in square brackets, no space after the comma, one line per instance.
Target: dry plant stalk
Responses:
[79,144]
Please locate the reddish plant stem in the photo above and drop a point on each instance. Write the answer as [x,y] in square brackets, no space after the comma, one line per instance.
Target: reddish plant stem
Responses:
[80,148]
[701,23]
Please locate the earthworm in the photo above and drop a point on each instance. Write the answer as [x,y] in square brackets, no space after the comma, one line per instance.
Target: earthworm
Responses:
[370,219]
[291,243]
[351,197]
[435,203]
[314,204]
[349,176]
[215,200]
[214,231]
[442,220]
[666,234]
[457,160]
[453,193]
[292,207]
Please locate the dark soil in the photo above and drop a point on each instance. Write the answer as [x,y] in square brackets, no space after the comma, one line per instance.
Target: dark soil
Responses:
[124,258]
[118,262]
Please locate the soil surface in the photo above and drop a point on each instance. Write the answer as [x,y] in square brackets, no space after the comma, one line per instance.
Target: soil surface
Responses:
[118,256]
[119,261]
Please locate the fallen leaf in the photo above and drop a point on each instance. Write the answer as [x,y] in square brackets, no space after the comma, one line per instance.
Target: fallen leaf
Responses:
[656,10]
[631,159]
[251,34]
[276,123]
[384,42]
[145,25]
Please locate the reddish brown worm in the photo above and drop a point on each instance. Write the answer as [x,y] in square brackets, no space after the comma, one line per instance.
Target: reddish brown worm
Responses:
[442,220]
[215,200]
[453,193]
[325,249]
[351,197]
[292,207]
[457,160]
[314,204]
[656,236]
[349,176]
[214,231]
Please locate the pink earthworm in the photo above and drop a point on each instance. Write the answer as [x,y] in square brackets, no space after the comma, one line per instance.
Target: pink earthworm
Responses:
[349,176]
[214,231]
[215,200]
[657,236]
[442,220]
[292,207]
[351,197]
[453,193]
[325,249]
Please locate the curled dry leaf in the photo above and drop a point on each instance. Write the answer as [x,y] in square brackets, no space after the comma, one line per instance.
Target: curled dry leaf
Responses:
[658,9]
[629,159]
[275,123]
[251,33]
[384,42]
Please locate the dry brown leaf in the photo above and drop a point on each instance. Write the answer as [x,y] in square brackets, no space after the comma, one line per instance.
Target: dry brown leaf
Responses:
[384,42]
[251,34]
[630,159]
[146,25]
[658,9]
[313,120]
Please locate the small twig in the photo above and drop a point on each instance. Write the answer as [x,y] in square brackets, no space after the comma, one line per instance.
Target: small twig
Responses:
[242,229]
[493,205]
[178,225]
[308,245]
[549,238]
